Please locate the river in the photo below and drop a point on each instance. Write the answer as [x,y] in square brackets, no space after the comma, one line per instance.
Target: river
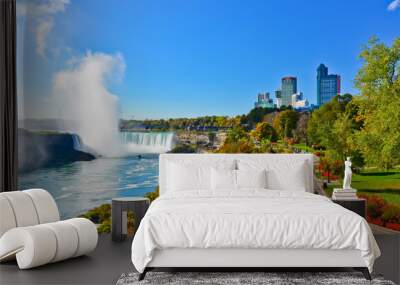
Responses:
[80,186]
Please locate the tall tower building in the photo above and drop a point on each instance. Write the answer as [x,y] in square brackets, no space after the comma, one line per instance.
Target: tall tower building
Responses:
[264,101]
[328,85]
[278,96]
[289,87]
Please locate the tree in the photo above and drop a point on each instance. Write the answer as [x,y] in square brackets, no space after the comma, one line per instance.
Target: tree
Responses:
[285,122]
[244,145]
[256,115]
[236,134]
[333,128]
[264,131]
[379,104]
[321,123]
[221,121]
[300,133]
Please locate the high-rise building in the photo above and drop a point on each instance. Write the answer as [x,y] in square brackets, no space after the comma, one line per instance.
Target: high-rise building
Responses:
[264,101]
[289,87]
[328,85]
[299,103]
[296,97]
[278,96]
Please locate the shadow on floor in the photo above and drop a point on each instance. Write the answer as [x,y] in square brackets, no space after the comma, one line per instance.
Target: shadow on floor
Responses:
[103,266]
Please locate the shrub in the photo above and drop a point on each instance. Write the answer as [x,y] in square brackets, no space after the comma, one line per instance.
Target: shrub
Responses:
[382,213]
[393,226]
[101,216]
[183,148]
[153,195]
[104,227]
[375,206]
[391,214]
[98,214]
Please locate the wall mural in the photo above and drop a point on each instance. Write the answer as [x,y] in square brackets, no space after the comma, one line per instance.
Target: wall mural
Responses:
[104,87]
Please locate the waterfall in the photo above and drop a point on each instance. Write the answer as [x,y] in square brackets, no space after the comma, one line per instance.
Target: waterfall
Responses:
[77,143]
[142,142]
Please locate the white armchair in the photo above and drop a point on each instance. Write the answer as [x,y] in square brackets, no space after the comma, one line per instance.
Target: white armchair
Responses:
[31,230]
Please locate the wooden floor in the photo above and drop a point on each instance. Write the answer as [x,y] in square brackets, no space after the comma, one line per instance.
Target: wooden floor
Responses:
[111,259]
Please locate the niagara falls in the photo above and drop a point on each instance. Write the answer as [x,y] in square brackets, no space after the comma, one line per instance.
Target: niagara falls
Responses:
[103,161]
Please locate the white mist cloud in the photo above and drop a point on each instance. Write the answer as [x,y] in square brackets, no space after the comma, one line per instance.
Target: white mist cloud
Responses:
[42,14]
[81,95]
[42,30]
[51,7]
[394,5]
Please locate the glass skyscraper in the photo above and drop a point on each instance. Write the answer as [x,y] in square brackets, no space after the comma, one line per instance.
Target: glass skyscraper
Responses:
[264,101]
[289,87]
[328,85]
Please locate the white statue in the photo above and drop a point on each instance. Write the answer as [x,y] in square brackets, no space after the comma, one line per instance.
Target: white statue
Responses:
[347,174]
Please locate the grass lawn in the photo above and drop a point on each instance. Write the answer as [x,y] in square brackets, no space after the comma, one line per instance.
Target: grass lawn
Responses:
[384,184]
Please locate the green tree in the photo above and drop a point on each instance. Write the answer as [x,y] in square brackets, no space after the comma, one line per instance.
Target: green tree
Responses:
[264,131]
[243,145]
[343,131]
[322,121]
[256,115]
[379,104]
[236,134]
[285,123]
[333,128]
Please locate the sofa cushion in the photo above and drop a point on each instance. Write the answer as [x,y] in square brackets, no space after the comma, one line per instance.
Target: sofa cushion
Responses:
[46,207]
[7,220]
[24,210]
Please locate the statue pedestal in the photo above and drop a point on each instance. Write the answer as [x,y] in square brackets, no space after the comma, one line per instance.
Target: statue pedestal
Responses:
[344,194]
[356,205]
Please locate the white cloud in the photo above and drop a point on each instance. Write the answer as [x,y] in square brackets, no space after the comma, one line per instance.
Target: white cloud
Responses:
[42,14]
[394,5]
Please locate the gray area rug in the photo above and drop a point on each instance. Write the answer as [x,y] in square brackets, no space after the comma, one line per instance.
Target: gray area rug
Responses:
[228,278]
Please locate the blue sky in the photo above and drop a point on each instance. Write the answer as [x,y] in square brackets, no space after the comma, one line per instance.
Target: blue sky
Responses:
[188,58]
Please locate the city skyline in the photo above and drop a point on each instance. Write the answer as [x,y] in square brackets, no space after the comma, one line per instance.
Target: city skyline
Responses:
[188,59]
[327,86]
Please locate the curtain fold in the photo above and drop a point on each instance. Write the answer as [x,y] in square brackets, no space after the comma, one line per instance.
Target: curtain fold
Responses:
[8,97]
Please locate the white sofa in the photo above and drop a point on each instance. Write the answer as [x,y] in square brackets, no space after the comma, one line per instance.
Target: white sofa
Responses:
[31,231]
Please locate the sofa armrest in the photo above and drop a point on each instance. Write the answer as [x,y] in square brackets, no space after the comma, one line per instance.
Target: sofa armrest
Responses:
[32,246]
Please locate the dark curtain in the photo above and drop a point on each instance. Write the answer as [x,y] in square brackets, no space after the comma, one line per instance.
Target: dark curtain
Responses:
[8,97]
